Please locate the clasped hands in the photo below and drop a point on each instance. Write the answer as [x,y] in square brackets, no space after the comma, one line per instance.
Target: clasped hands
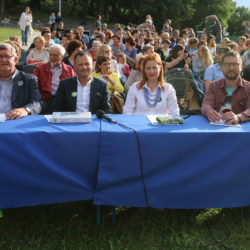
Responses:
[228,117]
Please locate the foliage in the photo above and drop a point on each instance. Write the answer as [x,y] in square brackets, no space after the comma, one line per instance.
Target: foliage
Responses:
[240,15]
[183,13]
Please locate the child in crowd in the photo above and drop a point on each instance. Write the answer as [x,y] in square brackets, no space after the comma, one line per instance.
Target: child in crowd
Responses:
[123,67]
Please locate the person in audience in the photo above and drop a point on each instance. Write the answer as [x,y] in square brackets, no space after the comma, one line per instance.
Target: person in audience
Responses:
[108,37]
[164,50]
[84,37]
[135,74]
[242,44]
[130,51]
[47,36]
[19,93]
[72,49]
[117,47]
[200,62]
[50,74]
[82,93]
[123,67]
[177,58]
[55,37]
[246,56]
[151,95]
[105,50]
[211,44]
[140,43]
[94,49]
[228,99]
[214,72]
[39,54]
[192,47]
[52,20]
[103,71]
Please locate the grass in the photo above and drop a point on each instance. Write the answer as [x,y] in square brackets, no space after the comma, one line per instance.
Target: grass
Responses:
[72,226]
[6,32]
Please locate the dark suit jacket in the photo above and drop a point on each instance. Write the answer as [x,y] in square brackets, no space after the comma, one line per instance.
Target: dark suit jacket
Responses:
[25,93]
[65,101]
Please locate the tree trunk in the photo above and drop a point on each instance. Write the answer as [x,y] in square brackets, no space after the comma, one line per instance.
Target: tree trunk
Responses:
[2,8]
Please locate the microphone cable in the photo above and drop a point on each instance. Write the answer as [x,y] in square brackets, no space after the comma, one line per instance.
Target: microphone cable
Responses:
[101,114]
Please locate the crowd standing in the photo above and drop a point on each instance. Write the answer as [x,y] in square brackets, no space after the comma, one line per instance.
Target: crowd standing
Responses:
[71,70]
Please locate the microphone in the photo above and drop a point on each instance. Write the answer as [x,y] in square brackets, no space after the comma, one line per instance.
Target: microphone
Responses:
[101,114]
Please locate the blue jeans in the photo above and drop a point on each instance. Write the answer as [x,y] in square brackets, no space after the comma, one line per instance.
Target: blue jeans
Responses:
[25,35]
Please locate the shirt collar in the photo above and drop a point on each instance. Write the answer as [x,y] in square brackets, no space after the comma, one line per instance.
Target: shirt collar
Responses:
[87,84]
[12,76]
[55,67]
[239,83]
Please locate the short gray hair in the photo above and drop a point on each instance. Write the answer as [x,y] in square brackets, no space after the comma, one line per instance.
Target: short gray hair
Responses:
[59,47]
[7,46]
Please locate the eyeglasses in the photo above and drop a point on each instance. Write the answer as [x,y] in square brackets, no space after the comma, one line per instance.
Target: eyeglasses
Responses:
[229,65]
[6,57]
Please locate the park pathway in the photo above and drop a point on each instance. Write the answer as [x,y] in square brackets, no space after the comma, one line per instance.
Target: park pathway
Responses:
[31,37]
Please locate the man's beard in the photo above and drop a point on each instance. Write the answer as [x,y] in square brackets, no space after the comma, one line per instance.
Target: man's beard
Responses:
[231,78]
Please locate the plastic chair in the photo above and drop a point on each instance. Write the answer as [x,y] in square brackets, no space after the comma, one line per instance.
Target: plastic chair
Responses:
[188,94]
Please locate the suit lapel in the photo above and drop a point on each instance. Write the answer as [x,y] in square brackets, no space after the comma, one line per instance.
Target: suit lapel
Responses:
[17,84]
[73,92]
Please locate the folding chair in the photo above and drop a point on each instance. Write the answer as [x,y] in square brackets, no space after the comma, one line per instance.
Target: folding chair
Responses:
[188,94]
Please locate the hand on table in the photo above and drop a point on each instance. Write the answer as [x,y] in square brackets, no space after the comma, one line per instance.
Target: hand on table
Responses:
[213,116]
[16,113]
[230,117]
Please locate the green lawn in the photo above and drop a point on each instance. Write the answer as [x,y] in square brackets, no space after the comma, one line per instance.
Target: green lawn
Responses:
[6,32]
[72,226]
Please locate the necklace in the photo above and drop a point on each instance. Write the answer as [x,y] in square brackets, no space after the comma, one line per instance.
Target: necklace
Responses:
[150,99]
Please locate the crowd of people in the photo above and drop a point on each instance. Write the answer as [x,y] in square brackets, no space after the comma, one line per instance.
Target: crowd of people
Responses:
[75,71]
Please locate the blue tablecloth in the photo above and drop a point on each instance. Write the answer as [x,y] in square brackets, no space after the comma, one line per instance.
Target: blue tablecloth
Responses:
[194,165]
[45,163]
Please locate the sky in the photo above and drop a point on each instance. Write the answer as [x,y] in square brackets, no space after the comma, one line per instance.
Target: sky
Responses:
[244,3]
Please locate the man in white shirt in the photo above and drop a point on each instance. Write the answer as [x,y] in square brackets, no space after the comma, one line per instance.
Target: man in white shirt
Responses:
[82,93]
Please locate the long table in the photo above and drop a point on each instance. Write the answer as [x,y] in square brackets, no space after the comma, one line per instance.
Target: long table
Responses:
[194,165]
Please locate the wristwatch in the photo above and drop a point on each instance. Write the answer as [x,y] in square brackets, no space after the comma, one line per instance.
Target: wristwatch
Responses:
[28,111]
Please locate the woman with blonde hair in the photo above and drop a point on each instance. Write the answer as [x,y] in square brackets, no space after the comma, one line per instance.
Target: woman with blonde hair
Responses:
[94,49]
[39,54]
[200,62]
[105,50]
[151,95]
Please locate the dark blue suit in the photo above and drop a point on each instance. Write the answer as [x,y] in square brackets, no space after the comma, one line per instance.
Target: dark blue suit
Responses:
[25,93]
[64,101]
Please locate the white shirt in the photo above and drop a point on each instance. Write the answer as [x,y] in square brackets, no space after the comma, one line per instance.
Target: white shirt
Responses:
[83,96]
[56,73]
[136,104]
[6,87]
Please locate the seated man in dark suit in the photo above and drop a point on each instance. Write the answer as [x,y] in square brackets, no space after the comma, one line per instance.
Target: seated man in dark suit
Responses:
[19,93]
[82,93]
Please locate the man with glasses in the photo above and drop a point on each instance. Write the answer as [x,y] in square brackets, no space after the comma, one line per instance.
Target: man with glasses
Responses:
[228,99]
[214,72]
[19,93]
[49,75]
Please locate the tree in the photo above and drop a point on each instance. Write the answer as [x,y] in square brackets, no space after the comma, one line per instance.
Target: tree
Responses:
[235,24]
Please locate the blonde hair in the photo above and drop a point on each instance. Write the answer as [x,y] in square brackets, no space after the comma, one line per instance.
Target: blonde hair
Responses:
[41,38]
[122,56]
[102,48]
[206,58]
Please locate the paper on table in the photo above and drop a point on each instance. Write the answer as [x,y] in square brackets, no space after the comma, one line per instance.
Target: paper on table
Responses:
[222,123]
[2,117]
